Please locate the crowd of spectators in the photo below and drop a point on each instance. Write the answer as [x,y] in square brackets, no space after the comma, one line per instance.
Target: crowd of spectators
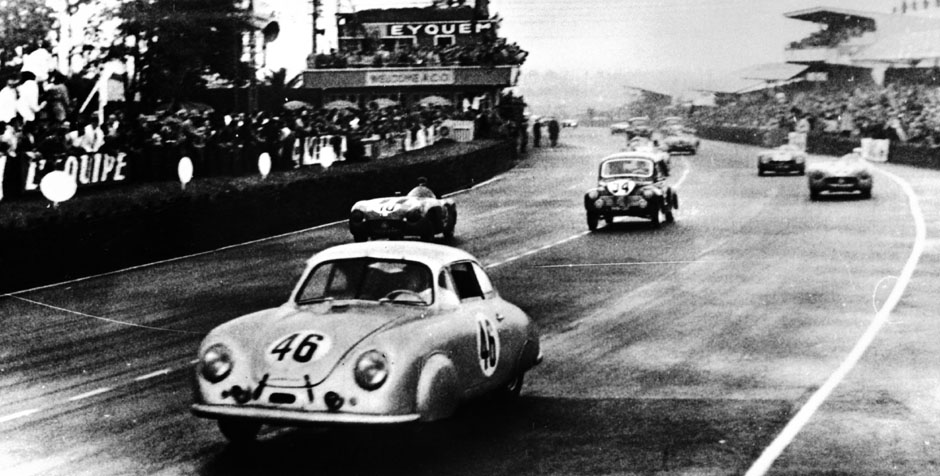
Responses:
[831,37]
[40,117]
[491,52]
[906,113]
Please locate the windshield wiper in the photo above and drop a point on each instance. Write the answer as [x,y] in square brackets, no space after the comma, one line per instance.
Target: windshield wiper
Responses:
[315,300]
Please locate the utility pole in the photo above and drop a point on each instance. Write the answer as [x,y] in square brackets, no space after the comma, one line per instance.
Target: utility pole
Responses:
[316,31]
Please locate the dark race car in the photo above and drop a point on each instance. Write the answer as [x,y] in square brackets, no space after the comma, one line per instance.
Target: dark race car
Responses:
[420,213]
[784,159]
[677,139]
[631,184]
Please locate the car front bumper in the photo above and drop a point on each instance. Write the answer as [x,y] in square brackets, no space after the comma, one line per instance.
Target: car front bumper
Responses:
[782,166]
[841,184]
[628,205]
[275,416]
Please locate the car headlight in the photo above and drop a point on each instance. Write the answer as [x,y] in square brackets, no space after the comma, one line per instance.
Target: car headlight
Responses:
[357,216]
[800,159]
[593,195]
[371,370]
[216,363]
[764,159]
[647,194]
[816,174]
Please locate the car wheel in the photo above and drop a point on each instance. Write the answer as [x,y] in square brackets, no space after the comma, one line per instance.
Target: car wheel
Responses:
[866,193]
[360,237]
[693,152]
[813,194]
[592,221]
[609,220]
[659,215]
[801,170]
[760,172]
[239,431]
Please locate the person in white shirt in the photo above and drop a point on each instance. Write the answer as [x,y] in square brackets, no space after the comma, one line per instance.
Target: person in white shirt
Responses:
[28,104]
[8,100]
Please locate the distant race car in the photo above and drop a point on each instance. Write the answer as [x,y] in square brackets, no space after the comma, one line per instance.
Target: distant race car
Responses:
[619,127]
[639,126]
[631,184]
[679,140]
[420,213]
[569,123]
[784,159]
[373,334]
[850,173]
[648,145]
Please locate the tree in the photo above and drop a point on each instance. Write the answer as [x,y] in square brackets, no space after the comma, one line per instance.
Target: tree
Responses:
[175,43]
[24,26]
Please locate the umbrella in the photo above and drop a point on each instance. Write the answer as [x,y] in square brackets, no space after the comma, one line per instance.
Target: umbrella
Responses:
[295,105]
[435,101]
[340,104]
[384,103]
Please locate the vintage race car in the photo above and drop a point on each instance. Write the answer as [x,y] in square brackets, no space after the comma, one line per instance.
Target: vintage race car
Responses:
[420,213]
[850,173]
[676,139]
[374,333]
[619,127]
[784,159]
[631,184]
[648,145]
[639,126]
[569,123]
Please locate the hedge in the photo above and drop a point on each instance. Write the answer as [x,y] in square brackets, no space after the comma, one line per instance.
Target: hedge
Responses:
[108,229]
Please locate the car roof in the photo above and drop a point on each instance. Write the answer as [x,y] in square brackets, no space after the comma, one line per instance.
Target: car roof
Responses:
[633,154]
[431,254]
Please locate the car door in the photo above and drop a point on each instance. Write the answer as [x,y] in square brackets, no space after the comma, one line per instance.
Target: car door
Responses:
[482,352]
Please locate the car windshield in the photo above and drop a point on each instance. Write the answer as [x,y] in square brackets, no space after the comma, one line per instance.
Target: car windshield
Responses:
[636,167]
[369,279]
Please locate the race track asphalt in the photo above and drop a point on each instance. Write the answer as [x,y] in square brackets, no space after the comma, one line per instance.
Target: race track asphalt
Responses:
[679,350]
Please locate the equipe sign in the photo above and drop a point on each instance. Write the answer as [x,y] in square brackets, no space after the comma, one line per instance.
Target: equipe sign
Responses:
[430,29]
[410,77]
[87,169]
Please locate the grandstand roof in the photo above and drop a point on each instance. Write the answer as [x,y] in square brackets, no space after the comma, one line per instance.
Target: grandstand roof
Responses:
[772,71]
[830,15]
[904,48]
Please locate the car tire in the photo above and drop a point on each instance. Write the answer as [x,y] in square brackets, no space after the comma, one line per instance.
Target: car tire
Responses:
[239,431]
[814,194]
[866,193]
[360,237]
[451,225]
[592,221]
[801,170]
[659,215]
[760,171]
[609,220]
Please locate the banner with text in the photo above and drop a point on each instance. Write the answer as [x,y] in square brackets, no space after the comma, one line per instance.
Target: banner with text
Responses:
[423,77]
[86,169]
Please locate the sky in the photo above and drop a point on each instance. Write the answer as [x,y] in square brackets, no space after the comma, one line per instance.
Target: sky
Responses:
[606,35]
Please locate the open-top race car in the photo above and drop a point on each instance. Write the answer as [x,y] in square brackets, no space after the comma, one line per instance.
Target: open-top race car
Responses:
[373,334]
[420,213]
[678,139]
[784,159]
[631,184]
[849,173]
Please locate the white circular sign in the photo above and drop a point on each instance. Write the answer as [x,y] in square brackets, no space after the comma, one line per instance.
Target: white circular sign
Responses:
[58,186]
[185,170]
[487,345]
[264,164]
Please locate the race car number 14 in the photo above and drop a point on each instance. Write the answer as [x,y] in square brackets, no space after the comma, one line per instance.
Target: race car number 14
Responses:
[487,345]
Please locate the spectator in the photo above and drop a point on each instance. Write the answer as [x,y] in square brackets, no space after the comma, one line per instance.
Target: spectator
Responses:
[537,133]
[57,97]
[553,131]
[28,103]
[9,99]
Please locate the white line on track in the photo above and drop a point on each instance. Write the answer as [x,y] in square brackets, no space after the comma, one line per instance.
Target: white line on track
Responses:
[640,263]
[802,417]
[16,415]
[97,391]
[113,321]
[151,375]
[536,250]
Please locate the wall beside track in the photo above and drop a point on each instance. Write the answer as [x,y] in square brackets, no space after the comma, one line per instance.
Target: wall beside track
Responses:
[113,228]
